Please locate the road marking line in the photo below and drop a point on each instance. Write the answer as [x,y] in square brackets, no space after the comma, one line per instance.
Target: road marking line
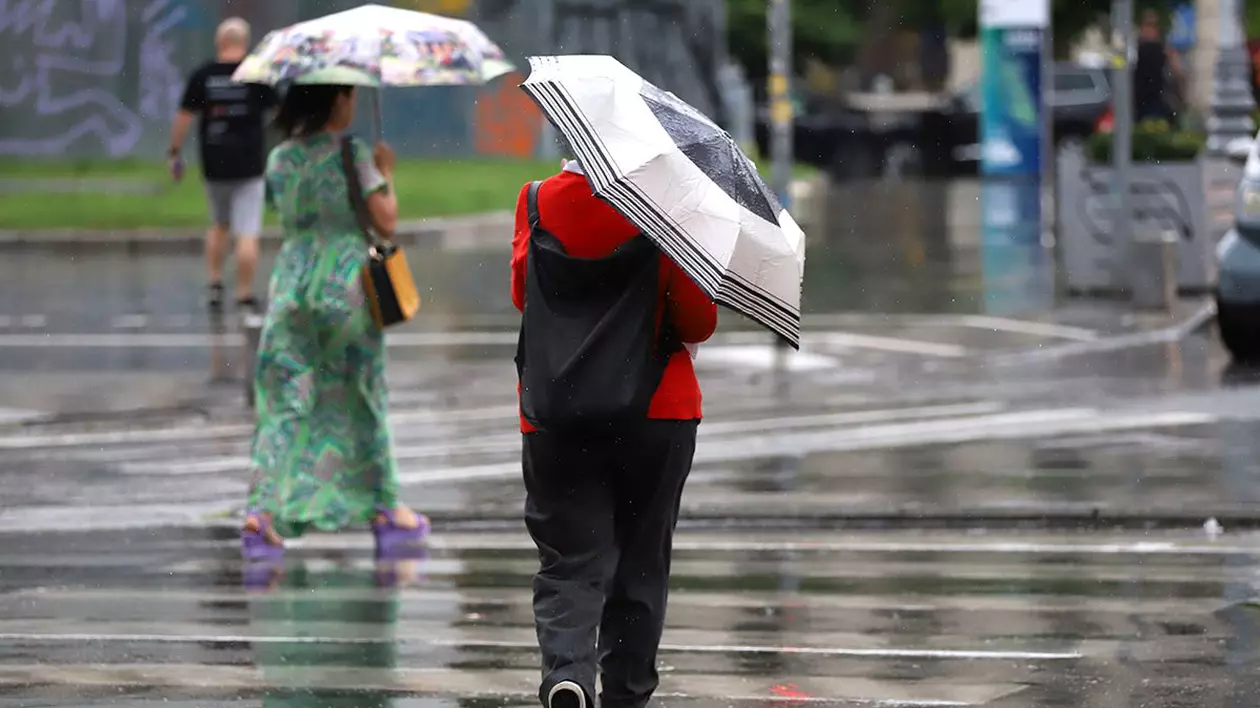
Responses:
[515,542]
[1043,329]
[762,356]
[464,682]
[876,437]
[889,344]
[34,322]
[1032,604]
[175,340]
[852,340]
[215,432]
[891,653]
[511,443]
[1000,426]
[130,321]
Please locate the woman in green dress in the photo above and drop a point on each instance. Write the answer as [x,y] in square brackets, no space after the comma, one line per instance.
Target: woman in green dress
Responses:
[321,453]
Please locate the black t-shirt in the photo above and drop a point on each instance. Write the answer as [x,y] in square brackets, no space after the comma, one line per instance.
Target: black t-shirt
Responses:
[231,132]
[1149,73]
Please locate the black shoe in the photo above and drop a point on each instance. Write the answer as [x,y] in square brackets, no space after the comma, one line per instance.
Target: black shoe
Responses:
[248,305]
[214,296]
[566,694]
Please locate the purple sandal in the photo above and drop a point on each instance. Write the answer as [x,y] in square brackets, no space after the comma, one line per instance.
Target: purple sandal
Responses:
[254,545]
[393,541]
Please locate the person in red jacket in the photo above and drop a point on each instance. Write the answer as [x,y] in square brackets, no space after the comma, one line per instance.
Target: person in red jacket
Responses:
[605,316]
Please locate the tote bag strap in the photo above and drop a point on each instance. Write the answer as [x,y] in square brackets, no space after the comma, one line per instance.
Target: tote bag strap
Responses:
[355,188]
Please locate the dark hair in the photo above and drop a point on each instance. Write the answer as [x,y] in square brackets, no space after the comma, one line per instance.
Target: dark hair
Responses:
[563,146]
[307,108]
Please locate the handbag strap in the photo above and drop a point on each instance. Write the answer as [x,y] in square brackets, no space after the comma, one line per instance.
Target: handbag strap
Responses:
[531,205]
[355,187]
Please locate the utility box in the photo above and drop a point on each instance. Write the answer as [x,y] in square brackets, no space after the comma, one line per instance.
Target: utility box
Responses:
[1153,270]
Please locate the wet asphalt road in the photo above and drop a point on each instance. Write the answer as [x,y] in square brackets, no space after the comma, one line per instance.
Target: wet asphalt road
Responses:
[889,618]
[929,509]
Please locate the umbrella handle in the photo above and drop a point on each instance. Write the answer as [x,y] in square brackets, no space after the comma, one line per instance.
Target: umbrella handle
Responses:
[376,114]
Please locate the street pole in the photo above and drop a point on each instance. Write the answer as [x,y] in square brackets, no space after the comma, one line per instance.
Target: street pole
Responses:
[779,26]
[1232,101]
[1122,137]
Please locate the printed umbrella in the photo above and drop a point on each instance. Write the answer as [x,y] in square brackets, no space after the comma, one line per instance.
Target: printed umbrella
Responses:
[680,178]
[375,45]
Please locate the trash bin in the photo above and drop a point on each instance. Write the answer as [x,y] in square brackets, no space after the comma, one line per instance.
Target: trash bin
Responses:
[251,327]
[1153,270]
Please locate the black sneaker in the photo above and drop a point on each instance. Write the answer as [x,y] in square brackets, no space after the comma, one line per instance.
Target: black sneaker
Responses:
[566,694]
[248,305]
[214,296]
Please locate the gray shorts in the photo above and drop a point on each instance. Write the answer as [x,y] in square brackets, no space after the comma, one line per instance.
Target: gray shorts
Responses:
[237,205]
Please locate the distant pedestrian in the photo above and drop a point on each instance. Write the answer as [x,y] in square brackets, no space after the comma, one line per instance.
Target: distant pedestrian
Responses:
[322,456]
[1156,75]
[610,406]
[231,137]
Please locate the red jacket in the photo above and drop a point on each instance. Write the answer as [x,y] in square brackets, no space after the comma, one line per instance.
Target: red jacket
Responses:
[590,228]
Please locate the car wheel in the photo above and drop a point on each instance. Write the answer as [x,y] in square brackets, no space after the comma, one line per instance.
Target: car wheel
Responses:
[1239,330]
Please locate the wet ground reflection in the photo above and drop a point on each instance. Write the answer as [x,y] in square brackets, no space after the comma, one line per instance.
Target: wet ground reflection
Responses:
[292,601]
[1051,620]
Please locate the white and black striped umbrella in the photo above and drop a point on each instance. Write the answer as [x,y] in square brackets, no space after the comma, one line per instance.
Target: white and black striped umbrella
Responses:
[681,179]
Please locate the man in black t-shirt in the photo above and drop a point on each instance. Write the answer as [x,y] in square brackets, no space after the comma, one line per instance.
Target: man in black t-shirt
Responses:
[232,137]
[1156,73]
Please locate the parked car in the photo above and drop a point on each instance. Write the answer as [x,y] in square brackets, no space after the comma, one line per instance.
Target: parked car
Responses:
[941,140]
[1238,261]
[1079,99]
[818,131]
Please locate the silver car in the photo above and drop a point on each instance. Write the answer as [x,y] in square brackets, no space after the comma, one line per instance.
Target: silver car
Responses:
[1238,257]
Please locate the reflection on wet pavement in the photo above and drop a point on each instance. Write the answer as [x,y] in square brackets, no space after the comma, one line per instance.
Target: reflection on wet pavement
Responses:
[919,619]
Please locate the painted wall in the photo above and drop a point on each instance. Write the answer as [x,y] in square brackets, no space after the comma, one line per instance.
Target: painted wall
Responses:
[102,78]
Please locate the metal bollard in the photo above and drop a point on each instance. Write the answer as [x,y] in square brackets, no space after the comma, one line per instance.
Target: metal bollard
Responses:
[1154,271]
[251,327]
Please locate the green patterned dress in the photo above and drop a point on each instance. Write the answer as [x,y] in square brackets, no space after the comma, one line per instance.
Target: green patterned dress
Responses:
[321,450]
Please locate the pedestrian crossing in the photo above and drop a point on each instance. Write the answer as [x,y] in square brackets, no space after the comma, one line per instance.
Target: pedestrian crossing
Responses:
[828,452]
[142,618]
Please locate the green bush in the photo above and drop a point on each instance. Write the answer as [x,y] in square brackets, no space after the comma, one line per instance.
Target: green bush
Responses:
[1153,141]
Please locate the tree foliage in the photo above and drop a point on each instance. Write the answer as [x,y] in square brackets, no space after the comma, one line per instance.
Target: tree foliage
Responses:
[823,29]
[829,30]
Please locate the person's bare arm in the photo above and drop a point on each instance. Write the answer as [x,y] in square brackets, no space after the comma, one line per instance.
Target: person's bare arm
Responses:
[179,129]
[382,203]
[383,208]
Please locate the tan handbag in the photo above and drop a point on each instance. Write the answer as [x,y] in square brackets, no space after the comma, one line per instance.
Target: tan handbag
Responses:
[387,282]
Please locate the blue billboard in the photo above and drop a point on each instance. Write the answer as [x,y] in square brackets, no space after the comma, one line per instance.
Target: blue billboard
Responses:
[1011,107]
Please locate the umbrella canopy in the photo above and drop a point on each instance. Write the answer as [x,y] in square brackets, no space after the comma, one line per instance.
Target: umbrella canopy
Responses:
[374,45]
[680,178]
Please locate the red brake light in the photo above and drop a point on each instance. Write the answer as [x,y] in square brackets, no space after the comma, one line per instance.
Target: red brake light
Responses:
[1106,122]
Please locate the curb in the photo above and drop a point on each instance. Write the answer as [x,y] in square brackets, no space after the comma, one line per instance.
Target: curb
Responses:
[461,232]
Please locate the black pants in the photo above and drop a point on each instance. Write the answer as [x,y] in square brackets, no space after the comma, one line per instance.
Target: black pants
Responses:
[602,513]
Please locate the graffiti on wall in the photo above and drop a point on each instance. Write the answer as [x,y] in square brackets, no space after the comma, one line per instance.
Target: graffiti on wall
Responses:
[103,77]
[67,63]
